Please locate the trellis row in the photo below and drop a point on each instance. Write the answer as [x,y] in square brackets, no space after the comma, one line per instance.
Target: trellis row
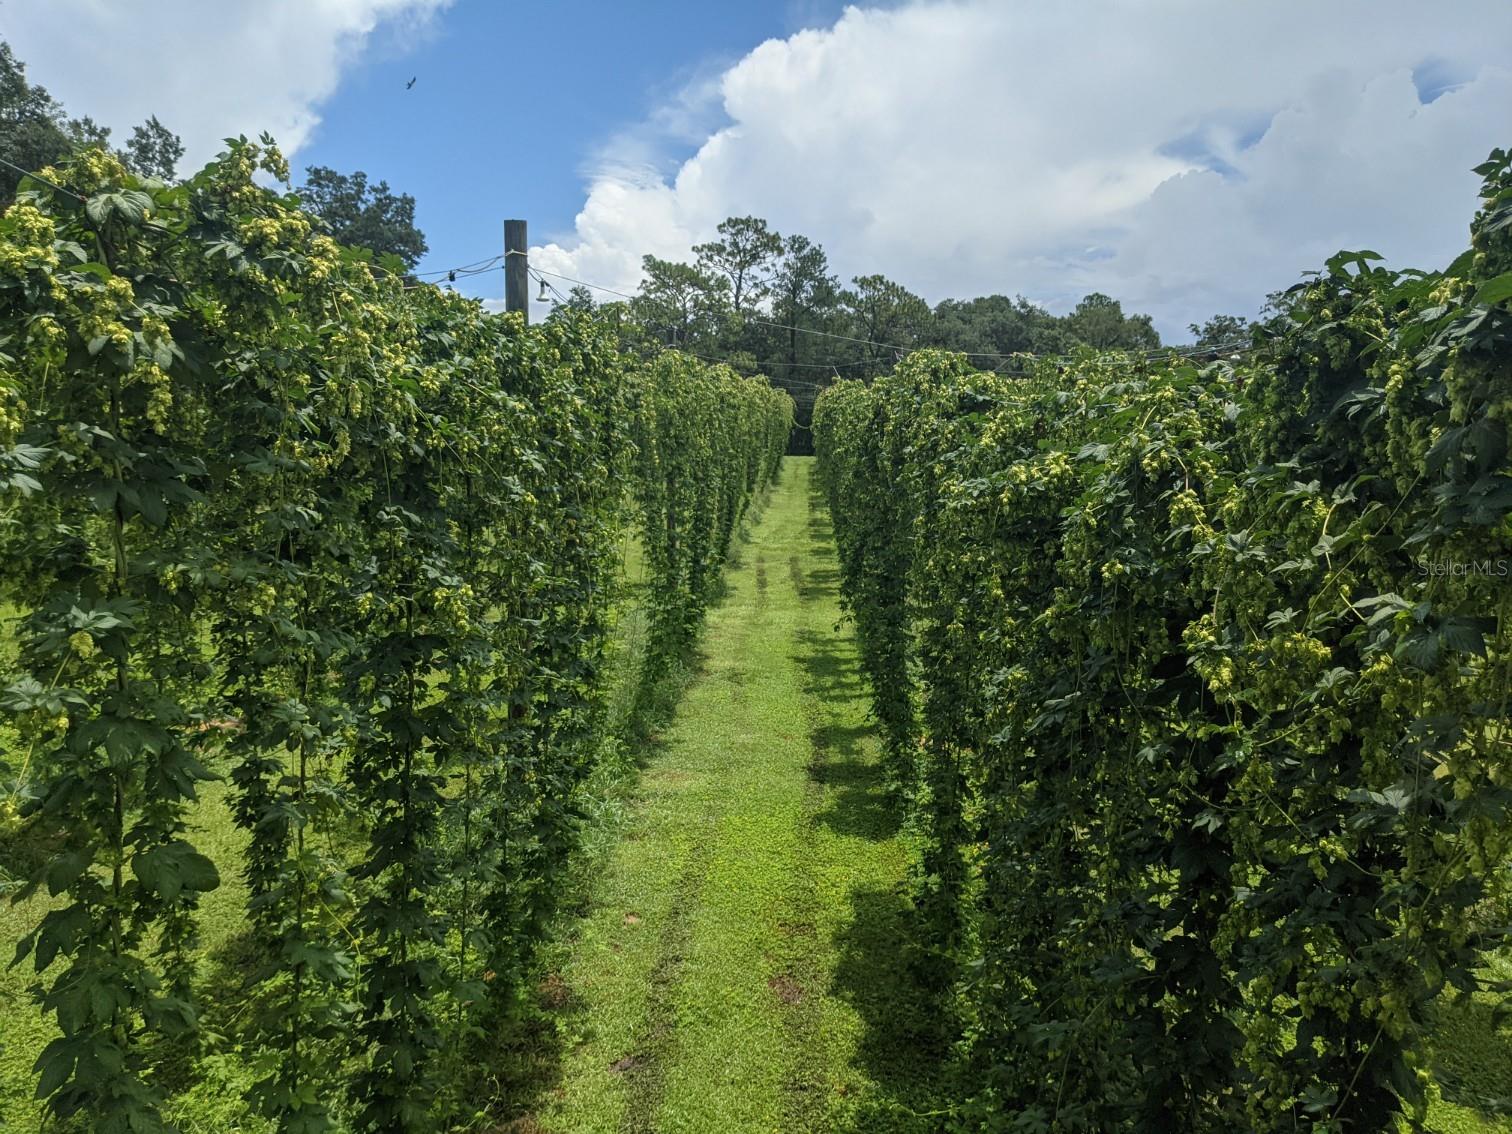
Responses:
[1196,682]
[268,510]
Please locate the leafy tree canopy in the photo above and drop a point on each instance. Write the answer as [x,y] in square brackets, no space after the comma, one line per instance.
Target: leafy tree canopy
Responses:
[1220,330]
[1099,322]
[682,303]
[884,312]
[35,131]
[745,255]
[364,215]
[153,150]
[995,324]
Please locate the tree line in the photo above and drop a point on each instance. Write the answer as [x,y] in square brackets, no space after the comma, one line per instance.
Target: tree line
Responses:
[766,301]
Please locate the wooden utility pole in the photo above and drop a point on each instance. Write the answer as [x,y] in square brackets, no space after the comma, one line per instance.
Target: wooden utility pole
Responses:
[516,278]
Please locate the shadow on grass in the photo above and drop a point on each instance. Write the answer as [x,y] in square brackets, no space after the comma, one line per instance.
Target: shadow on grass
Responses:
[657,675]
[904,1049]
[820,524]
[905,1045]
[831,669]
[1472,1058]
[822,581]
[857,802]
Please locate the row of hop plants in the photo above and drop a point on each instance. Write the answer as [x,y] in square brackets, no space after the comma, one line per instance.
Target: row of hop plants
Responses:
[1195,682]
[271,516]
[704,448]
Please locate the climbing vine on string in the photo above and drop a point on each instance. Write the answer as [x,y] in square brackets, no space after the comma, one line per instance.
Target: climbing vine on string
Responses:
[1201,673]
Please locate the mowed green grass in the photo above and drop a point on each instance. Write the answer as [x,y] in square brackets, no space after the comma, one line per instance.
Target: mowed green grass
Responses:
[1473,1062]
[740,966]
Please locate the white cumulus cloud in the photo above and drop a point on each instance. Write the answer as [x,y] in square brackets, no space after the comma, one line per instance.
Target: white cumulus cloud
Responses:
[209,69]
[1184,156]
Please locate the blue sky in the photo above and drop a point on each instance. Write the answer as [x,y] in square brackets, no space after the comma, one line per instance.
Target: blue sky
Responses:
[1185,156]
[513,102]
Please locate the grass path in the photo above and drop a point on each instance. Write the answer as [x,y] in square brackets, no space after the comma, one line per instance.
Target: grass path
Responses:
[739,969]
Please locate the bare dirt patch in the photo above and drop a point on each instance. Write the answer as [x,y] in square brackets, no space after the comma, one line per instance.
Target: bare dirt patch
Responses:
[788,990]
[554,992]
